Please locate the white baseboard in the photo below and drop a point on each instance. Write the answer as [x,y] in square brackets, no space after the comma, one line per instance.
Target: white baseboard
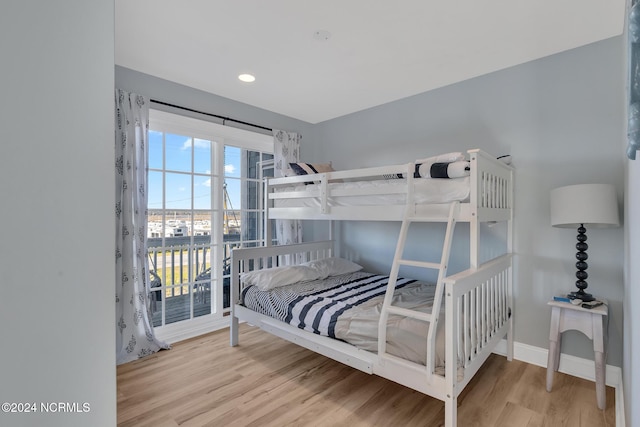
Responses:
[570,365]
[173,333]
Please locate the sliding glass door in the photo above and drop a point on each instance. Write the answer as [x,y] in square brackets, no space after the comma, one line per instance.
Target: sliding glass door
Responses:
[205,199]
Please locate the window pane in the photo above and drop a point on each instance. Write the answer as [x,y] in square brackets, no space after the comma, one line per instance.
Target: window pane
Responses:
[155,149]
[178,149]
[202,267]
[252,197]
[202,192]
[233,193]
[202,228]
[178,191]
[177,308]
[252,159]
[201,156]
[232,225]
[155,228]
[251,226]
[268,171]
[178,226]
[154,190]
[232,161]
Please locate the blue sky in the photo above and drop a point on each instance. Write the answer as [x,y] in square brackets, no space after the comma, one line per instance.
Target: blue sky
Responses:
[180,150]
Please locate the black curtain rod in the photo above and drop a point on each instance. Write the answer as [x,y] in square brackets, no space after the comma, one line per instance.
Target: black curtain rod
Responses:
[227,119]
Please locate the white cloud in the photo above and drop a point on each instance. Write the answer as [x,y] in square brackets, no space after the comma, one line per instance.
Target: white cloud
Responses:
[201,143]
[198,143]
[207,183]
[229,168]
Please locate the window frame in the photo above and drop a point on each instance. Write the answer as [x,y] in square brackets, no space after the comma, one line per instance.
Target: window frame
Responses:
[220,136]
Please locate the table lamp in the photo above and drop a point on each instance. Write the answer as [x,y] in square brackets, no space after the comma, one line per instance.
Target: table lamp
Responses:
[582,206]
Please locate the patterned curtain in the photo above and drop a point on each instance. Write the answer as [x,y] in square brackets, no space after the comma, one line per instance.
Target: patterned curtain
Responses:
[286,147]
[134,332]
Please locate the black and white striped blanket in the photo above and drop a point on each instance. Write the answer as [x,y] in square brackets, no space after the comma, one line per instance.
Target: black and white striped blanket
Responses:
[316,306]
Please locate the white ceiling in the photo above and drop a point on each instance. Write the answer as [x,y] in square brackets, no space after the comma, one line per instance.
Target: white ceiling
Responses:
[379,51]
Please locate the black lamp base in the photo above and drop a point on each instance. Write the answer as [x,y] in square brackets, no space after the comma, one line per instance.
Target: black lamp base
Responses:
[581,295]
[581,265]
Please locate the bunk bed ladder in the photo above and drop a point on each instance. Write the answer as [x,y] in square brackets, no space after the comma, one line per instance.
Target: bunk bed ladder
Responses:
[398,260]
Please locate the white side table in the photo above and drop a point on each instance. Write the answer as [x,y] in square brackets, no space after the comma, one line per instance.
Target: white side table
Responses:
[566,317]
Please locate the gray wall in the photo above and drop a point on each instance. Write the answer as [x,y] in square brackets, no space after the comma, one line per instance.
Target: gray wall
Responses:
[561,118]
[57,310]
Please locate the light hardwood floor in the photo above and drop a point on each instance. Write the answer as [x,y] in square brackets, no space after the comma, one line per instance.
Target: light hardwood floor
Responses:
[266,381]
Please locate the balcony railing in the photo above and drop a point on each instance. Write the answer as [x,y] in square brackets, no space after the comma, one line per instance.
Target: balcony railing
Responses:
[180,272]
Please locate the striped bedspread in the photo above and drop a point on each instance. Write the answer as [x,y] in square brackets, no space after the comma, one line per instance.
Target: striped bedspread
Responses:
[316,306]
[348,307]
[318,312]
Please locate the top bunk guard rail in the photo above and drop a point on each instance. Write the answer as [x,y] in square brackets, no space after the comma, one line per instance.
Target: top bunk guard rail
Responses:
[490,195]
[491,187]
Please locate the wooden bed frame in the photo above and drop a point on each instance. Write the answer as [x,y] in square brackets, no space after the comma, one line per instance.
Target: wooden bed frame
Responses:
[477,301]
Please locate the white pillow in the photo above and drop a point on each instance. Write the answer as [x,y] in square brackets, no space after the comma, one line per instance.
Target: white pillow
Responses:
[333,266]
[270,278]
[455,156]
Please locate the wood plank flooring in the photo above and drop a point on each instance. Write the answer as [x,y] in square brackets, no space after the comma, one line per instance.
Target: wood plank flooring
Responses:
[266,381]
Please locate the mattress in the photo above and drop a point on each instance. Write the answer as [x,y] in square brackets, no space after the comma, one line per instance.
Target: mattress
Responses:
[347,307]
[378,192]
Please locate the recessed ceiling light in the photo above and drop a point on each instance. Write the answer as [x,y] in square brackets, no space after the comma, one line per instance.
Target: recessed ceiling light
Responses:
[247,78]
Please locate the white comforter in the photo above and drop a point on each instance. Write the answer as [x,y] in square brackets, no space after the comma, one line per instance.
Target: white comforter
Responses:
[381,192]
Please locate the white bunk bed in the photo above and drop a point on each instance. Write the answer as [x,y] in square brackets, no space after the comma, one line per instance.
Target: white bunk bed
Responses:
[477,302]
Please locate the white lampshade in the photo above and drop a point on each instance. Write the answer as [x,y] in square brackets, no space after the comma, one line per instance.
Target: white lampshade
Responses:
[594,205]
